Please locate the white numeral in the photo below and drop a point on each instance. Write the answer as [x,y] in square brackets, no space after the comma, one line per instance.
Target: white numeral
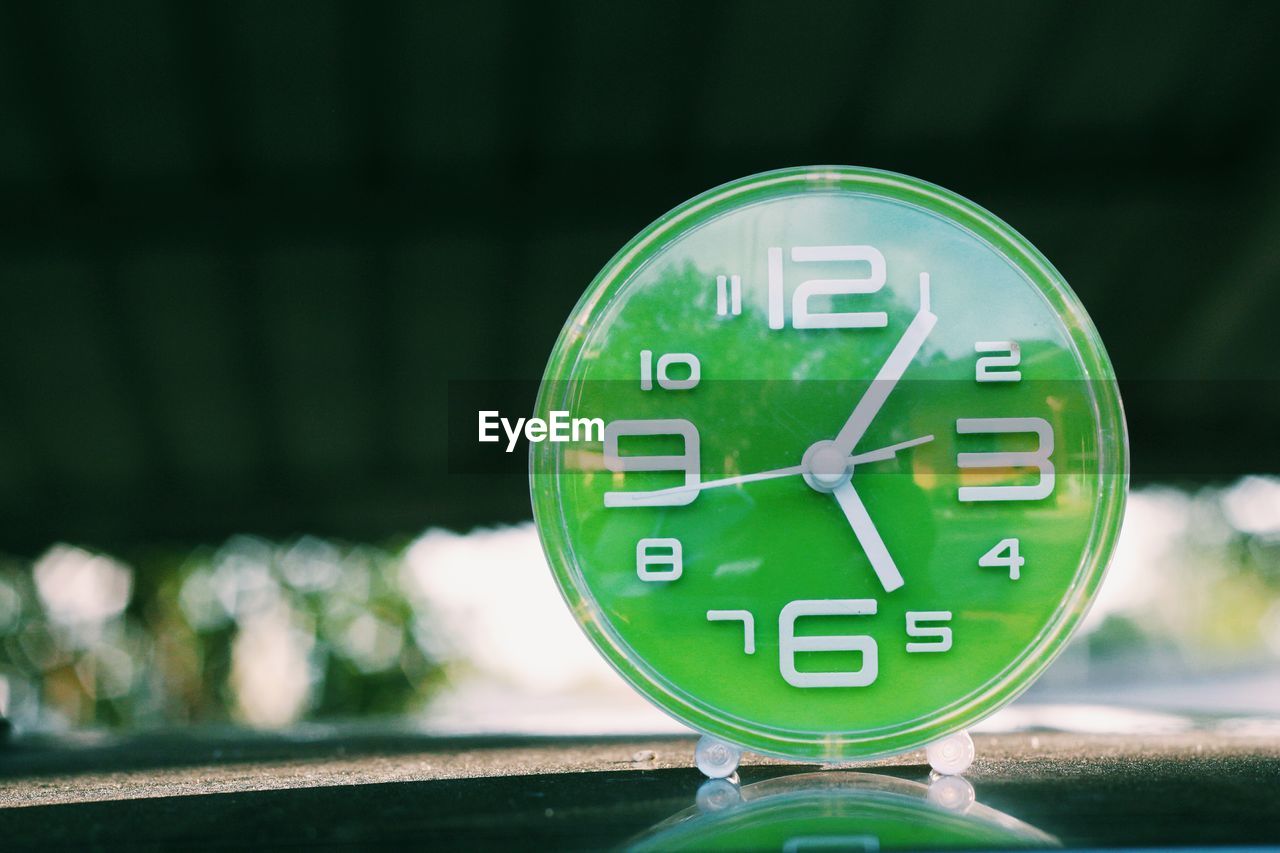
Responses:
[748,625]
[659,552]
[1038,458]
[801,316]
[940,634]
[789,644]
[664,365]
[986,371]
[728,295]
[687,462]
[1011,561]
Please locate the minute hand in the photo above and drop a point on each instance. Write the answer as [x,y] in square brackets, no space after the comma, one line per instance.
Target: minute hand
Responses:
[912,339]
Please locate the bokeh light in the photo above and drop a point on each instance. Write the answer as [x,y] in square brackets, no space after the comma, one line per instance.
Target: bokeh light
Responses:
[467,632]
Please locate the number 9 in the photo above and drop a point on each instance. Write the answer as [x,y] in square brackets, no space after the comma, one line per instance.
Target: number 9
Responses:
[688,462]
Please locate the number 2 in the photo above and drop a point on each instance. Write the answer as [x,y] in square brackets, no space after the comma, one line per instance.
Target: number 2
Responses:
[985,371]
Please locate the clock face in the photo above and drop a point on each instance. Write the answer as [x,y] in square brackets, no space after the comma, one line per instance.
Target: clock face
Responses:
[859,465]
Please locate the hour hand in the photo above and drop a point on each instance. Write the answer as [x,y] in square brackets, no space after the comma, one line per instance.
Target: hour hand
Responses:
[868,536]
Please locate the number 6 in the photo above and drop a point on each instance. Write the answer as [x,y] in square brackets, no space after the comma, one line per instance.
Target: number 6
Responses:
[789,643]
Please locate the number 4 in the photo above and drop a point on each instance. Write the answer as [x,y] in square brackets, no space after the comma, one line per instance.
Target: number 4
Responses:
[1010,560]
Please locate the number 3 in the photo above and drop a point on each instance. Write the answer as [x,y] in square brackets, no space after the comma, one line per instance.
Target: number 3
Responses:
[1038,458]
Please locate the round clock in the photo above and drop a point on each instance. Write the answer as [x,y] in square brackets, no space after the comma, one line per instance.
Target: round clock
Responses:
[851,463]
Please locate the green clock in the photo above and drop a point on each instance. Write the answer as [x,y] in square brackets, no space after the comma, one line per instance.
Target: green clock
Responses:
[859,463]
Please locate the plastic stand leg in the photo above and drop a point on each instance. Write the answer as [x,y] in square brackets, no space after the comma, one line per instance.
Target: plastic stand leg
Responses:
[953,793]
[952,755]
[715,758]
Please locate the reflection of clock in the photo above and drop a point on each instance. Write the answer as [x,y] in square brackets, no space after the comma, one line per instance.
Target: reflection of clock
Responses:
[840,811]
[862,466]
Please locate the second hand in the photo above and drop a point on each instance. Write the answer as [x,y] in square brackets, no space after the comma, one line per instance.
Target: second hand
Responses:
[878,455]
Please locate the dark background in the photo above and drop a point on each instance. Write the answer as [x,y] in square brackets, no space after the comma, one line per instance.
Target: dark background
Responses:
[244,246]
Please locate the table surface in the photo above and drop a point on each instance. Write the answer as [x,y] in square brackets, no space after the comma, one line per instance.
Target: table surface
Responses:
[229,788]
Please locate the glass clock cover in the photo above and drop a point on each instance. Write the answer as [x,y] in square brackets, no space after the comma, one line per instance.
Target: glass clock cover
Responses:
[859,466]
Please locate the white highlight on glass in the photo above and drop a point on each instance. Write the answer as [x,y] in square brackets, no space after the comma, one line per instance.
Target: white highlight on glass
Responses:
[776,300]
[860,843]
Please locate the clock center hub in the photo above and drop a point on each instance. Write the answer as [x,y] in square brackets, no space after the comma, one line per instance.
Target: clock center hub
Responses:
[825,467]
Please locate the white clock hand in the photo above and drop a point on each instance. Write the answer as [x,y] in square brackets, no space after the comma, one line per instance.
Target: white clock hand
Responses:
[912,339]
[883,453]
[877,455]
[868,536]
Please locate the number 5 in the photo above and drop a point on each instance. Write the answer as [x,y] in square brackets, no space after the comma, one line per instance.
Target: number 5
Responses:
[940,634]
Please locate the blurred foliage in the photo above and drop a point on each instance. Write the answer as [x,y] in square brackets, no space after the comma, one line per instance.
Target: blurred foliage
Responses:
[254,631]
[269,633]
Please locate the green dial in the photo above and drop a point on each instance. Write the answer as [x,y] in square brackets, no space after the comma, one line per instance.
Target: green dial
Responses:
[861,463]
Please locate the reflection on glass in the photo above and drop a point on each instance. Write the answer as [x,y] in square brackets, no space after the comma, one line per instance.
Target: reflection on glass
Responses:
[840,810]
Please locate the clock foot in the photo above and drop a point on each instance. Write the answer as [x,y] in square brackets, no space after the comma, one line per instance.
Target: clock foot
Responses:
[715,758]
[952,755]
[953,793]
